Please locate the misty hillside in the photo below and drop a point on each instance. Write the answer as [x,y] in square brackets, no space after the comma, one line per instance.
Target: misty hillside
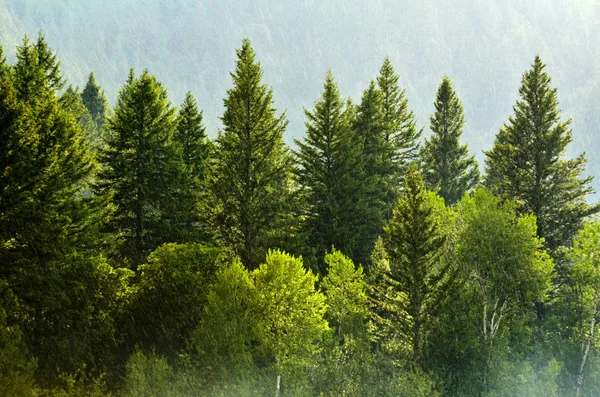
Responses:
[483,46]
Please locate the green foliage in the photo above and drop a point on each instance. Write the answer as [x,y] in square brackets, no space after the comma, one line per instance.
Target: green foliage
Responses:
[346,352]
[227,329]
[585,285]
[95,101]
[291,313]
[4,68]
[142,171]
[380,184]
[526,162]
[445,162]
[37,70]
[149,375]
[251,169]
[329,173]
[345,289]
[415,243]
[191,136]
[503,263]
[16,377]
[72,101]
[168,300]
[398,121]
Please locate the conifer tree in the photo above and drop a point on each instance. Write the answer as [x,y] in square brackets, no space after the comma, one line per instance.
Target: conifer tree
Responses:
[527,164]
[445,162]
[191,136]
[415,245]
[194,147]
[95,101]
[37,70]
[399,122]
[330,174]
[142,171]
[380,183]
[46,219]
[71,100]
[251,167]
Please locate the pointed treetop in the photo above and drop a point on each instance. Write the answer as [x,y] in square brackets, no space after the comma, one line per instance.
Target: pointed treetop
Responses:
[48,61]
[95,101]
[446,164]
[191,136]
[526,162]
[399,122]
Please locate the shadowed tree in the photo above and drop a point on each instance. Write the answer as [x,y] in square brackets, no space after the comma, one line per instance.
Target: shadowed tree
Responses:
[251,166]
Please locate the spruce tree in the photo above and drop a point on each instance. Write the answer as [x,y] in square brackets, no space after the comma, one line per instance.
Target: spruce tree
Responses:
[398,122]
[330,175]
[446,164]
[71,100]
[194,148]
[251,167]
[46,219]
[191,136]
[379,185]
[415,244]
[526,162]
[37,70]
[95,101]
[142,169]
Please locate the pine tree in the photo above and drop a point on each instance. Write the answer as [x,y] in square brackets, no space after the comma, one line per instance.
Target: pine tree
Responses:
[142,171]
[445,162]
[415,245]
[526,162]
[251,167]
[95,101]
[399,122]
[330,174]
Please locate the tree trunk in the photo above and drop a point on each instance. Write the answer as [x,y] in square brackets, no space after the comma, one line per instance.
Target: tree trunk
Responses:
[278,385]
[586,350]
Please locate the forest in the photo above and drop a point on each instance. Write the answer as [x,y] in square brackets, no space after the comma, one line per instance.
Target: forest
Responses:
[140,257]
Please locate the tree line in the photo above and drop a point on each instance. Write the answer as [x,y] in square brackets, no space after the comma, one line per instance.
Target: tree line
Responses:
[139,257]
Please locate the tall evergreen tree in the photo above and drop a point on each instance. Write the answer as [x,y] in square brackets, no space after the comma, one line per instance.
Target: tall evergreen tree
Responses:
[45,218]
[419,275]
[445,162]
[37,70]
[194,146]
[191,136]
[142,171]
[399,122]
[251,167]
[380,179]
[330,174]
[95,101]
[526,162]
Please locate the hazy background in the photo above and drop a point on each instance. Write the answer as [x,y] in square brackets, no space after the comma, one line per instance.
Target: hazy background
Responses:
[483,45]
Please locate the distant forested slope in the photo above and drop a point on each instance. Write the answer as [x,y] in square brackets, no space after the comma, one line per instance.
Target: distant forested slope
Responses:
[483,45]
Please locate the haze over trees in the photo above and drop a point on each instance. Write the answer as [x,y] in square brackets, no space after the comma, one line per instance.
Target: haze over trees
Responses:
[140,257]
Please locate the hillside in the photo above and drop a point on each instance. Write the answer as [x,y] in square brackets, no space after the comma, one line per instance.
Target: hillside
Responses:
[484,46]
